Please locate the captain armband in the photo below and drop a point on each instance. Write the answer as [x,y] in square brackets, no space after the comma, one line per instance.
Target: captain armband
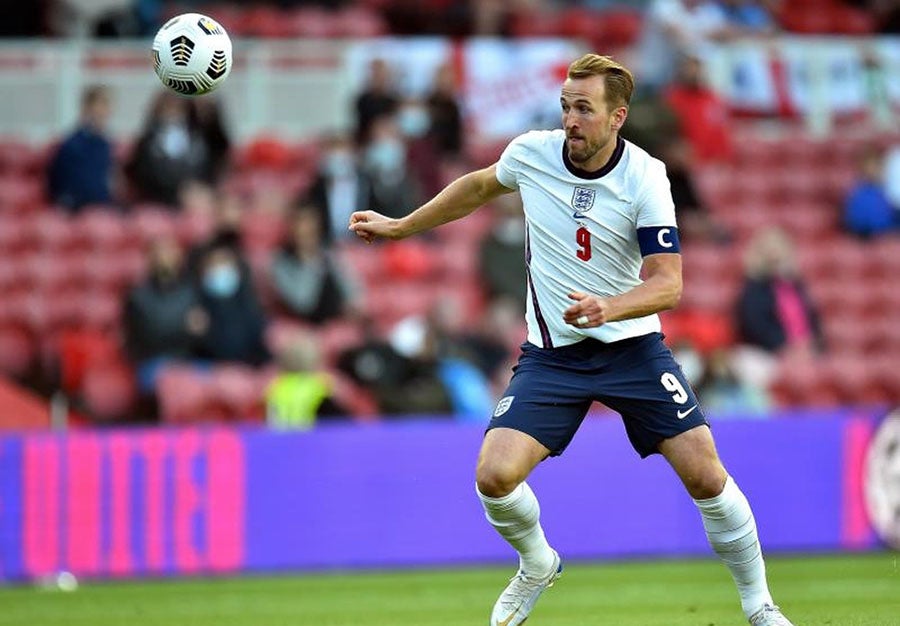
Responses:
[658,240]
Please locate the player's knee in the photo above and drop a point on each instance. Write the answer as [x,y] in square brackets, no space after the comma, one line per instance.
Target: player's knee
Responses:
[705,485]
[497,480]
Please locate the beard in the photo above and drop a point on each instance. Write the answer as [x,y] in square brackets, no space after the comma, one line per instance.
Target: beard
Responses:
[584,150]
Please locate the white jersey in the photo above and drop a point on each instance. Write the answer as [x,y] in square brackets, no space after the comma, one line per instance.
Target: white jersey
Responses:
[583,230]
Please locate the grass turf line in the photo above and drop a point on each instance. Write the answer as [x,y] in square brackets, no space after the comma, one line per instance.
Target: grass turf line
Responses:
[838,590]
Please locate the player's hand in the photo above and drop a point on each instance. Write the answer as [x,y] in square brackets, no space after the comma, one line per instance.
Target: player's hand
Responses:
[370,225]
[588,311]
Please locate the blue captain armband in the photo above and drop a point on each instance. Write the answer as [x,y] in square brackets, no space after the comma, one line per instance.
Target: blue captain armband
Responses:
[658,240]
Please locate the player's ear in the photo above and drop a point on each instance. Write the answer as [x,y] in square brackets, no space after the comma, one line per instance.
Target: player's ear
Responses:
[618,117]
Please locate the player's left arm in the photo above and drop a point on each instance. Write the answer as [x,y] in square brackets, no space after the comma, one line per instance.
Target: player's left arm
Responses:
[660,291]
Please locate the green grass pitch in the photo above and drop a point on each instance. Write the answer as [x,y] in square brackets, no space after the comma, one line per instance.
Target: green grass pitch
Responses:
[838,590]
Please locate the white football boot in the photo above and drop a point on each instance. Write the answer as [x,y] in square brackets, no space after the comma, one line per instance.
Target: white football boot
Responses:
[769,615]
[521,594]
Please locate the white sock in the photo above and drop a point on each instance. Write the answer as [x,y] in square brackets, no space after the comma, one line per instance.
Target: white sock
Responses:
[731,530]
[516,517]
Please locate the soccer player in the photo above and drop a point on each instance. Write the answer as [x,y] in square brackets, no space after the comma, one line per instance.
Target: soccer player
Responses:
[598,211]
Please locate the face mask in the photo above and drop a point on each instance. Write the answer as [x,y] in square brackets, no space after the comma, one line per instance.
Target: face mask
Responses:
[413,121]
[222,281]
[174,140]
[385,155]
[338,164]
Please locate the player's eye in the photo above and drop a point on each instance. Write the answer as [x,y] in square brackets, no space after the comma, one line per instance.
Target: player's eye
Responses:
[583,110]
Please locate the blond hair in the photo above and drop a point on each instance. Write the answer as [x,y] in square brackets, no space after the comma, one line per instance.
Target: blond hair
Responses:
[618,78]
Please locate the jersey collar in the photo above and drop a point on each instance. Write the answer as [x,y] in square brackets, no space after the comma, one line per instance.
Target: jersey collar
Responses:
[603,171]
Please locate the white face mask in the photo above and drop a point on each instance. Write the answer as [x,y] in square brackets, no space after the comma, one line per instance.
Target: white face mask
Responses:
[222,281]
[413,121]
[174,140]
[385,155]
[338,164]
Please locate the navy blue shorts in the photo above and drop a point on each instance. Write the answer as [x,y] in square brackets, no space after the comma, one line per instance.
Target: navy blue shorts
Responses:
[552,389]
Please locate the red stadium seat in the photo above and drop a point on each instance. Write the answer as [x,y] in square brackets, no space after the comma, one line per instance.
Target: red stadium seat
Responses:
[359,22]
[51,230]
[17,351]
[336,337]
[80,351]
[104,228]
[150,222]
[184,395]
[108,391]
[311,22]
[14,234]
[367,262]
[239,390]
[48,271]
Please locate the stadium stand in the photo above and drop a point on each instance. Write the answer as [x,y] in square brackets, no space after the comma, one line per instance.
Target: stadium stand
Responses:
[62,277]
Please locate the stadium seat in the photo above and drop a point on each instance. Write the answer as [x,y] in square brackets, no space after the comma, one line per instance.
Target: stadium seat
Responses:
[263,230]
[336,337]
[51,230]
[17,351]
[82,350]
[14,234]
[184,395]
[108,391]
[311,22]
[48,271]
[366,262]
[103,228]
[151,222]
[19,193]
[239,390]
[359,22]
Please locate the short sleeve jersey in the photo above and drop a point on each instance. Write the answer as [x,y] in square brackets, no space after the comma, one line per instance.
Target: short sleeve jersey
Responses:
[583,230]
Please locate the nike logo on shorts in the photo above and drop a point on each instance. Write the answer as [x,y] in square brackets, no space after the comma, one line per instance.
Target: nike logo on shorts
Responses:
[684,414]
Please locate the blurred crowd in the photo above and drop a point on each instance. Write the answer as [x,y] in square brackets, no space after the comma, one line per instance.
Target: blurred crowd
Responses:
[298,315]
[681,20]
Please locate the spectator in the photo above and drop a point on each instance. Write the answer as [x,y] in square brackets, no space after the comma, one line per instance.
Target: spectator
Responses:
[301,392]
[867,210]
[422,155]
[437,343]
[170,152]
[502,252]
[394,188]
[83,169]
[702,116]
[340,188]
[774,312]
[401,385]
[378,99]
[674,28]
[236,320]
[446,117]
[162,316]
[305,276]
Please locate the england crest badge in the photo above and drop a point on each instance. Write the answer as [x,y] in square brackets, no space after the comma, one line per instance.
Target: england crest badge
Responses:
[583,199]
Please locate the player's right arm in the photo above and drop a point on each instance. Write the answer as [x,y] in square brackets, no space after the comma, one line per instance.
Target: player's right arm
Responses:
[456,200]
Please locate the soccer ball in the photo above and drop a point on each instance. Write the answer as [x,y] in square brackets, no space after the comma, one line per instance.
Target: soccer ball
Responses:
[192,54]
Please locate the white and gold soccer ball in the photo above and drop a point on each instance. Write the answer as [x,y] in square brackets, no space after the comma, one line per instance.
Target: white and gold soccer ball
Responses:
[192,54]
